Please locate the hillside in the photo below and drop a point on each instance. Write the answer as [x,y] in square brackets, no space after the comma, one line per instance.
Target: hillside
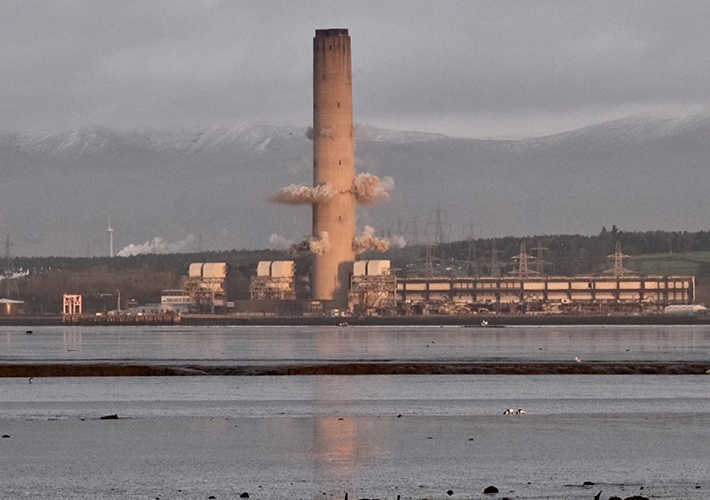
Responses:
[210,189]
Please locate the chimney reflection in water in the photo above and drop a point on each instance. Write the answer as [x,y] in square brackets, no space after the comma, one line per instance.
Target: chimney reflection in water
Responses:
[343,446]
[71,339]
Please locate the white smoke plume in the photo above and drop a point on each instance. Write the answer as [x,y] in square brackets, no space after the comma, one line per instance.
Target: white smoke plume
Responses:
[396,241]
[302,194]
[280,242]
[318,246]
[156,245]
[368,241]
[369,189]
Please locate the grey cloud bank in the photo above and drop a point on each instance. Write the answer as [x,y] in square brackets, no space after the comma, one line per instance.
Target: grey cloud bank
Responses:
[461,68]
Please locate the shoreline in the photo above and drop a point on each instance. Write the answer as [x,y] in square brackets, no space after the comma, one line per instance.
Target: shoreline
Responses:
[493,320]
[92,369]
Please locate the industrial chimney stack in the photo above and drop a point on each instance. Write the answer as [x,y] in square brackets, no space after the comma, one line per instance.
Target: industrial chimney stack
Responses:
[333,162]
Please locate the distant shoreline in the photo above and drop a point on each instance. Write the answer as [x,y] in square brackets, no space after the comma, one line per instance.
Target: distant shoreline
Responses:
[122,369]
[464,321]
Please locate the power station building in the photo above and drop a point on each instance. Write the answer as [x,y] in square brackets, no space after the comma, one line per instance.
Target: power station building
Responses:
[549,294]
[374,290]
[205,286]
[340,283]
[275,279]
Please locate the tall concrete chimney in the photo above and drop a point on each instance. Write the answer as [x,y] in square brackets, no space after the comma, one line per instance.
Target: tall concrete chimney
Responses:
[333,162]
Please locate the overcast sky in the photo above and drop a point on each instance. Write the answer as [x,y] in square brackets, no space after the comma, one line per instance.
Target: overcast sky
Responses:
[466,68]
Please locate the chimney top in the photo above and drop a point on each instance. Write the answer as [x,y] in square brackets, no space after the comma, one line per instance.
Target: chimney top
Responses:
[332,32]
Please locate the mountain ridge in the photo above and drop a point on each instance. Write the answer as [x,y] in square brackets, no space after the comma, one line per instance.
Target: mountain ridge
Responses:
[58,189]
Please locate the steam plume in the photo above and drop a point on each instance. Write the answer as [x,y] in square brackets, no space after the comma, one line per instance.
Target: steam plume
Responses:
[280,242]
[368,241]
[156,245]
[318,246]
[369,189]
[396,241]
[302,194]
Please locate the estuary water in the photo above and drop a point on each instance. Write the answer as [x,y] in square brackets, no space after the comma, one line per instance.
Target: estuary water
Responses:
[373,436]
[308,344]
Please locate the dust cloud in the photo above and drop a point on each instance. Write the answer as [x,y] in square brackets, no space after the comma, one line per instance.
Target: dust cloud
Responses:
[368,241]
[302,195]
[370,189]
[319,245]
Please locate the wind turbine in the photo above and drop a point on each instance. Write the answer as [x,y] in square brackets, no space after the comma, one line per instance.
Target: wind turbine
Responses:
[110,239]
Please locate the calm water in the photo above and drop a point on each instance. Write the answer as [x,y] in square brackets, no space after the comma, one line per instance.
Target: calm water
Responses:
[308,344]
[307,437]
[376,395]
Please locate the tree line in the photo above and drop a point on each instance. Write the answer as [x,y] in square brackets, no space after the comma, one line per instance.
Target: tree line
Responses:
[143,277]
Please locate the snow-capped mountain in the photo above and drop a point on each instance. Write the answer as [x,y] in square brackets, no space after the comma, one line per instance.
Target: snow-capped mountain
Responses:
[58,190]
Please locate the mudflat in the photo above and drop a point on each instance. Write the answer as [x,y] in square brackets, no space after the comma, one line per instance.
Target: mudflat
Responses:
[416,457]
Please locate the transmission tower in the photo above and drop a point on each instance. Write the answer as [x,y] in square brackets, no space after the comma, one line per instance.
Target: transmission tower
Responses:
[523,264]
[428,261]
[441,229]
[539,256]
[495,264]
[523,258]
[618,271]
[472,257]
[415,231]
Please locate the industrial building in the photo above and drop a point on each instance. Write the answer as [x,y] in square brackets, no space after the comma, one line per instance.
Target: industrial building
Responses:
[274,280]
[202,291]
[551,294]
[376,291]
[205,286]
[71,304]
[176,301]
[372,288]
[9,307]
